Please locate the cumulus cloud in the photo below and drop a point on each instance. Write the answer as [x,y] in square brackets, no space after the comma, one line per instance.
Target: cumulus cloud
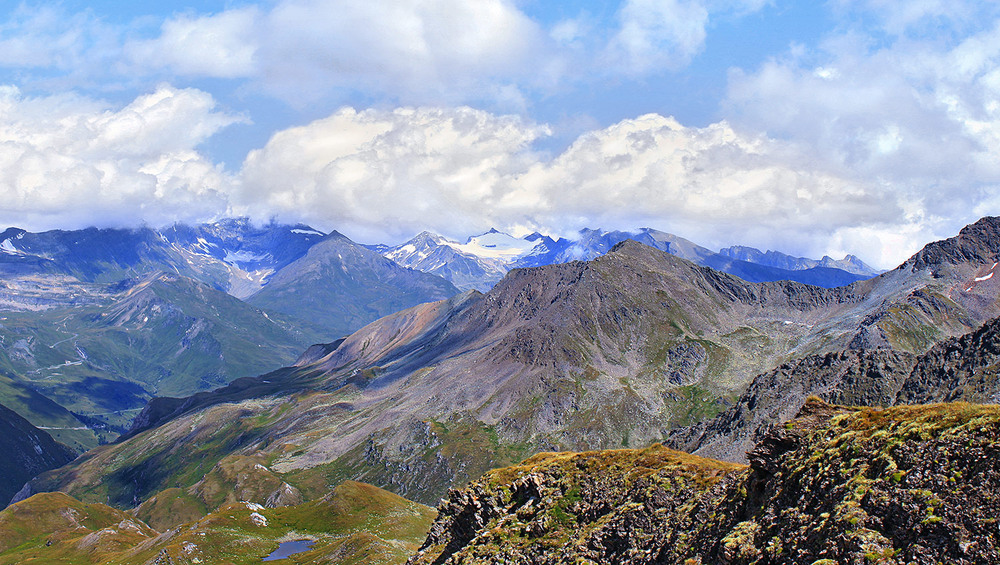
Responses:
[67,161]
[384,175]
[390,173]
[921,120]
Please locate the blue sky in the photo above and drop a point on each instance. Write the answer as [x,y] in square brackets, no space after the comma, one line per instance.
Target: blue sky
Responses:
[850,126]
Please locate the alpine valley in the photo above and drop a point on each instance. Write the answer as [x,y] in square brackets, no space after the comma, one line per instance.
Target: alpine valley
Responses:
[540,388]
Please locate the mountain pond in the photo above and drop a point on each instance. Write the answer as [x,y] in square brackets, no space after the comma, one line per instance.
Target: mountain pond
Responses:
[288,548]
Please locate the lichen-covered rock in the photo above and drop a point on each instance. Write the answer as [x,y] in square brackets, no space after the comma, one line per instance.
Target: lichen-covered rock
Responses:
[595,507]
[909,484]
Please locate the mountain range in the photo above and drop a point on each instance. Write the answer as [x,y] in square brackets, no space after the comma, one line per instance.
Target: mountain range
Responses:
[631,348]
[96,322]
[615,352]
[483,260]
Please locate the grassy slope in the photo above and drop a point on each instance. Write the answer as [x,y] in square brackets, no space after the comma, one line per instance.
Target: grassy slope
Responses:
[167,336]
[355,523]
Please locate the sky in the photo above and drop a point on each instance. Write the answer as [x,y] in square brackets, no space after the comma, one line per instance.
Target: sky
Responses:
[868,127]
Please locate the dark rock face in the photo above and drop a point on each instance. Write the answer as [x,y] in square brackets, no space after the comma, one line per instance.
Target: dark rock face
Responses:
[27,451]
[976,243]
[911,484]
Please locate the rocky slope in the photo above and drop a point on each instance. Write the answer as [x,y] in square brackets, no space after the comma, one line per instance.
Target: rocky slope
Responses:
[963,368]
[27,451]
[911,484]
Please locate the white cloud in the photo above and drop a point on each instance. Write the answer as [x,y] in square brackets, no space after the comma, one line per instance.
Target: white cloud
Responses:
[919,116]
[402,51]
[68,162]
[913,16]
[658,34]
[389,173]
[221,45]
[383,176]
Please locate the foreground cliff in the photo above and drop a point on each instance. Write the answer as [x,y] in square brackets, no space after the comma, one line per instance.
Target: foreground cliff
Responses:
[909,484]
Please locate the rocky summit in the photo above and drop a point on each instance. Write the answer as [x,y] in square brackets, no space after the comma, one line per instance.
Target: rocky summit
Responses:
[835,485]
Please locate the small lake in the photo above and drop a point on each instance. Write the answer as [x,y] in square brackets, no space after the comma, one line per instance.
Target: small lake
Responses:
[287,548]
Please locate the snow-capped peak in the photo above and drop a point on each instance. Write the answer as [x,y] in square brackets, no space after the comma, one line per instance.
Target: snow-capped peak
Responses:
[495,244]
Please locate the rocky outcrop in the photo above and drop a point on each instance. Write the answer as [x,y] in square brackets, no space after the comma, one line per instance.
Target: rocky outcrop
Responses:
[909,484]
[606,506]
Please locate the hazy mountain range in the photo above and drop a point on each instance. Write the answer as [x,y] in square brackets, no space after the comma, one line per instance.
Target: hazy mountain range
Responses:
[482,260]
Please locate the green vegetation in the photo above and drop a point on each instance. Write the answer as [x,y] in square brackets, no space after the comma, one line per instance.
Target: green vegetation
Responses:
[166,336]
[354,524]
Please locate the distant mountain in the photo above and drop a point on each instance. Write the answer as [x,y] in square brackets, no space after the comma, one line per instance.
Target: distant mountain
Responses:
[479,262]
[238,256]
[434,254]
[483,260]
[339,286]
[27,451]
[849,263]
[92,366]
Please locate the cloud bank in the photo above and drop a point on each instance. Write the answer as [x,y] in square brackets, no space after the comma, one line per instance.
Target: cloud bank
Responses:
[877,138]
[385,175]
[66,162]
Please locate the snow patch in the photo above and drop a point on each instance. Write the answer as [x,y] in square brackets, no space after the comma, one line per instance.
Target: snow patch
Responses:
[8,247]
[308,232]
[497,245]
[984,277]
[243,257]
[253,506]
[258,519]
